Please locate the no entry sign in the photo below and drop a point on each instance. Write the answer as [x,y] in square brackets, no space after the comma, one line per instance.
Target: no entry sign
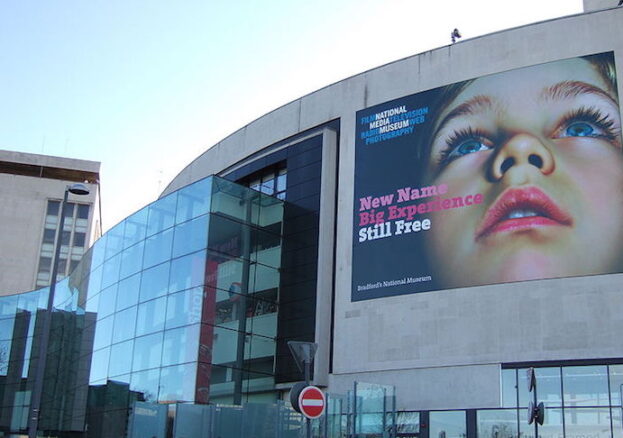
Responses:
[310,401]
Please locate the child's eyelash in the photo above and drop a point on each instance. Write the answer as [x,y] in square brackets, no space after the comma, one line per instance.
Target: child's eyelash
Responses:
[595,116]
[455,139]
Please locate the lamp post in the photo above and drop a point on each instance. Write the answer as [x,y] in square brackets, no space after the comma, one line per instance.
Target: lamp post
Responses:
[35,402]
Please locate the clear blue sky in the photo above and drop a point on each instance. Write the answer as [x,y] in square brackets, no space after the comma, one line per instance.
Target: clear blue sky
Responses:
[147,86]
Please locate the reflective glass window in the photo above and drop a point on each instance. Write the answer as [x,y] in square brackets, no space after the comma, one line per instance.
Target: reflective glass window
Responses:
[120,358]
[146,383]
[114,242]
[616,384]
[509,388]
[224,348]
[83,211]
[191,236]
[449,424]
[497,423]
[151,316]
[184,307]
[125,322]
[585,386]
[161,214]
[135,228]
[6,330]
[131,260]
[187,271]
[127,292]
[180,345]
[406,422]
[154,282]
[49,235]
[8,306]
[110,271]
[578,421]
[98,250]
[158,248]
[53,207]
[617,426]
[99,365]
[147,352]
[94,282]
[103,333]
[79,239]
[549,386]
[194,200]
[107,302]
[177,383]
[552,426]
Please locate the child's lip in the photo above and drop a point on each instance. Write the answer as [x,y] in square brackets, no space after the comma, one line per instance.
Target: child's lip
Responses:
[545,212]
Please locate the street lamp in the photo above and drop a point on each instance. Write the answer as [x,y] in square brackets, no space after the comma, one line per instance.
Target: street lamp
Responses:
[35,402]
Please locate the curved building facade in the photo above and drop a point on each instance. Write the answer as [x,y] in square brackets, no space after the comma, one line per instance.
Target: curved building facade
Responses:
[441,223]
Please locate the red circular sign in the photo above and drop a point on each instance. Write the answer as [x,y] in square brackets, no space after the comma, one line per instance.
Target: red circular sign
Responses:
[312,402]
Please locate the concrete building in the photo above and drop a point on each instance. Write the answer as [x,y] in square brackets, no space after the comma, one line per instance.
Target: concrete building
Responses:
[32,187]
[441,224]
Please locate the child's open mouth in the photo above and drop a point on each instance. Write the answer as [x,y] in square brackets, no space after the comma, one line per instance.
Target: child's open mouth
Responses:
[519,209]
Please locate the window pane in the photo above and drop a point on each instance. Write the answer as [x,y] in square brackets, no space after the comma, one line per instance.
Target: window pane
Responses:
[53,207]
[131,260]
[586,386]
[151,316]
[184,308]
[146,383]
[127,293]
[180,345]
[154,282]
[177,383]
[125,322]
[103,332]
[450,424]
[509,388]
[83,211]
[120,358]
[114,241]
[147,352]
[45,264]
[616,383]
[580,420]
[161,214]
[548,386]
[135,228]
[107,302]
[188,271]
[497,423]
[99,365]
[552,426]
[191,236]
[79,239]
[110,273]
[194,200]
[49,236]
[158,248]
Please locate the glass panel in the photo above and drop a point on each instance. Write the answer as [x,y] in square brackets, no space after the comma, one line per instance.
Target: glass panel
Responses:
[147,352]
[49,236]
[103,332]
[53,207]
[586,386]
[114,242]
[177,383]
[180,345]
[83,211]
[194,200]
[79,239]
[497,423]
[110,271]
[146,383]
[154,282]
[552,427]
[158,248]
[120,358]
[107,302]
[99,365]
[95,282]
[191,236]
[98,250]
[161,214]
[151,316]
[184,308]
[616,381]
[6,332]
[135,228]
[408,422]
[8,306]
[127,292]
[187,272]
[132,260]
[509,388]
[617,427]
[450,424]
[593,422]
[125,322]
[548,386]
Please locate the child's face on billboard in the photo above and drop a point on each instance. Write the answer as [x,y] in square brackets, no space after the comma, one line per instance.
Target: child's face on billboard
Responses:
[543,147]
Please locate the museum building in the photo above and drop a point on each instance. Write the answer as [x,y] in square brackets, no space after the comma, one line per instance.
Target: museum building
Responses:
[440,224]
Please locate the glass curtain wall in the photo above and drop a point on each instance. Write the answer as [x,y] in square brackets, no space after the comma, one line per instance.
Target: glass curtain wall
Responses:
[177,303]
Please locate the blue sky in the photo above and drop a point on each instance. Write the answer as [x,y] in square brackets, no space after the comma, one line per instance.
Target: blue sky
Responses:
[147,86]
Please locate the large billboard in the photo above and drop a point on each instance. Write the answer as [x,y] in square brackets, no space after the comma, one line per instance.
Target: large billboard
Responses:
[508,177]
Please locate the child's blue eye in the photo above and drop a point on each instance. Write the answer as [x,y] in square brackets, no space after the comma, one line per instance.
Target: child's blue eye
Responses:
[469,146]
[579,129]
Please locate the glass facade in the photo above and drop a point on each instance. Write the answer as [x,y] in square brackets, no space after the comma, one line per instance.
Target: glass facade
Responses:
[177,303]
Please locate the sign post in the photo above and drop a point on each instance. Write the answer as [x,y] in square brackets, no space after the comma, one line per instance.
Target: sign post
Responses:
[303,353]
